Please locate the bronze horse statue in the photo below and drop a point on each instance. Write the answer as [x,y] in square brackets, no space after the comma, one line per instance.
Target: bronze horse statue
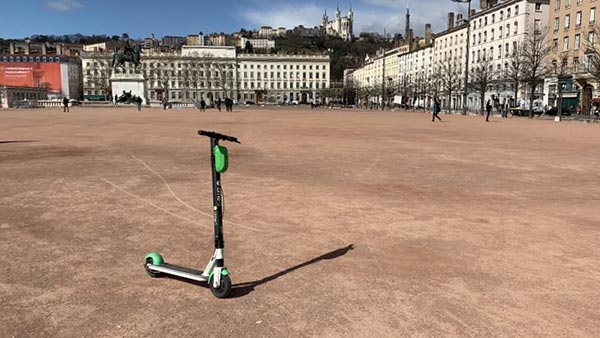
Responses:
[132,55]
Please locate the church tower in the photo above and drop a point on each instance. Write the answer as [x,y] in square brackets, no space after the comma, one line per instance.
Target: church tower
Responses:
[407,29]
[338,20]
[350,23]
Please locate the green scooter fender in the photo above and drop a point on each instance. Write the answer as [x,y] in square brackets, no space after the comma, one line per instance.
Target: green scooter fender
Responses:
[156,258]
[224,272]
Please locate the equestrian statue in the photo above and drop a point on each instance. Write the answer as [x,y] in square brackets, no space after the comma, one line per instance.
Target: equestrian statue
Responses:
[130,54]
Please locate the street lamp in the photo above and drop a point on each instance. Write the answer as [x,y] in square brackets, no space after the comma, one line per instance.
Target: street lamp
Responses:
[467,54]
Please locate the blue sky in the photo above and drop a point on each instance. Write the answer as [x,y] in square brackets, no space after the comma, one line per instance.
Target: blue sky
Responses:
[140,18]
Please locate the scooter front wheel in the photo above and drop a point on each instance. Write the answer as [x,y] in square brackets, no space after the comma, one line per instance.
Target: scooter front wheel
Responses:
[153,274]
[223,290]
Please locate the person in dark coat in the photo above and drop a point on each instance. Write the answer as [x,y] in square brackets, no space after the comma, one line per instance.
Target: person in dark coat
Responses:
[488,109]
[230,104]
[65,104]
[202,105]
[219,102]
[436,109]
[139,103]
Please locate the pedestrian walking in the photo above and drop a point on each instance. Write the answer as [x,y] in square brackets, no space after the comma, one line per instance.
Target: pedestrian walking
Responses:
[65,104]
[488,109]
[219,102]
[229,104]
[436,110]
[578,109]
[202,105]
[116,99]
[139,103]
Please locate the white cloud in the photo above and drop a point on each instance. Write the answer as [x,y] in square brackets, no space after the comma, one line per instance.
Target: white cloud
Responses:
[64,5]
[288,16]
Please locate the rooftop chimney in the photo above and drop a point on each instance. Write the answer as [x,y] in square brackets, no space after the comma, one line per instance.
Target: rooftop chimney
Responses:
[459,19]
[450,20]
[473,11]
[12,48]
[427,34]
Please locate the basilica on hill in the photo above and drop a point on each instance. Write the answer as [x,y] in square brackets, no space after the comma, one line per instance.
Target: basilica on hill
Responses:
[340,26]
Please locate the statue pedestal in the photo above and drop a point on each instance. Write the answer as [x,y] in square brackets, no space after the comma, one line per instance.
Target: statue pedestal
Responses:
[134,83]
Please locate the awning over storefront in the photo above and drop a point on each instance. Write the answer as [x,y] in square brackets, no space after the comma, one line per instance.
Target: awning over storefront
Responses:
[596,99]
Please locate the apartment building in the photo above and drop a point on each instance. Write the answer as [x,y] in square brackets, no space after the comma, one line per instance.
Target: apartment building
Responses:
[572,35]
[496,34]
[377,70]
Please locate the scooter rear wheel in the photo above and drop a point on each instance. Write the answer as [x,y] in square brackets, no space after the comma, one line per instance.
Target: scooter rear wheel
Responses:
[223,290]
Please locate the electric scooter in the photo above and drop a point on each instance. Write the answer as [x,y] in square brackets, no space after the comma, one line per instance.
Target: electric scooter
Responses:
[215,273]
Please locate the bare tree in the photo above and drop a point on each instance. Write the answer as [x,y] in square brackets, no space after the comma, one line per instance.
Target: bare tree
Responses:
[535,51]
[449,74]
[405,87]
[481,77]
[514,72]
[560,69]
[423,87]
[591,61]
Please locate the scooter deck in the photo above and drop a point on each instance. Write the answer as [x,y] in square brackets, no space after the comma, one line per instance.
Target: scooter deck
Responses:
[180,271]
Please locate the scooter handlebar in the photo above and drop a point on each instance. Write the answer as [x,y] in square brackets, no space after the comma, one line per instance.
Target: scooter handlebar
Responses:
[218,136]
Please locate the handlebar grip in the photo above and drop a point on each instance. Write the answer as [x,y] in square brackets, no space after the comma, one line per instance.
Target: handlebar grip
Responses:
[218,136]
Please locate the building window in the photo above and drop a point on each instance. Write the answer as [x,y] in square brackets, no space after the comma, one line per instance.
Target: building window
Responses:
[567,21]
[556,24]
[591,38]
[578,19]
[592,15]
[501,15]
[492,35]
[493,18]
[576,64]
[537,25]
[577,41]
[508,30]
[516,25]
[565,43]
[557,5]
[567,4]
[517,9]
[508,13]
[538,7]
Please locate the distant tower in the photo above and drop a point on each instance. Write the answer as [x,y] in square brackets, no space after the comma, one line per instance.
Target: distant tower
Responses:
[325,20]
[407,29]
[338,20]
[350,23]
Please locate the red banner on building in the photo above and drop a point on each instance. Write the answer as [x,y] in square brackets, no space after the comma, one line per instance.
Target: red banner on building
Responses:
[31,74]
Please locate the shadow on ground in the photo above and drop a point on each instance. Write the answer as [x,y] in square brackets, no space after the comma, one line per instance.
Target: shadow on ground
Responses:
[243,289]
[24,141]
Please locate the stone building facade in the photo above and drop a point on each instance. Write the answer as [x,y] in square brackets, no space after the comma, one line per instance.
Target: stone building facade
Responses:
[208,72]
